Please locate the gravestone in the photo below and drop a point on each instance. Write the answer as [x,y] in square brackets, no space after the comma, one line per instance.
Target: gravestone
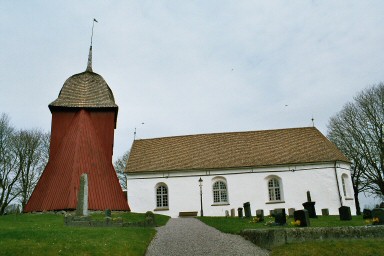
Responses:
[291,212]
[82,196]
[226,213]
[150,218]
[303,217]
[272,213]
[280,217]
[325,212]
[247,210]
[310,206]
[345,213]
[367,214]
[240,212]
[381,205]
[260,214]
[108,213]
[378,216]
[233,212]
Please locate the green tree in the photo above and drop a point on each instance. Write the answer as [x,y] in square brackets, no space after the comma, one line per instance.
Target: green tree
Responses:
[358,132]
[120,165]
[9,175]
[23,156]
[31,153]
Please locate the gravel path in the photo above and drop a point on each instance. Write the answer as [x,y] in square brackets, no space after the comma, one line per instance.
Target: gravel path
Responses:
[189,236]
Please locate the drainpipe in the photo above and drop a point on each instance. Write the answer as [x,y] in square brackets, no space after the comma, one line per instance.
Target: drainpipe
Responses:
[338,187]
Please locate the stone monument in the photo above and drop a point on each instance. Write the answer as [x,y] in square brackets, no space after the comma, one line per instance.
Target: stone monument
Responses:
[82,196]
[310,206]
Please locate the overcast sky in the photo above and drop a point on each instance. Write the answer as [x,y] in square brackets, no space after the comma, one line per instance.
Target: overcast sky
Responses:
[190,67]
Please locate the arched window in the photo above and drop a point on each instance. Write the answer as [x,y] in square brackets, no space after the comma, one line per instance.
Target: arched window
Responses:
[274,189]
[220,193]
[344,183]
[161,196]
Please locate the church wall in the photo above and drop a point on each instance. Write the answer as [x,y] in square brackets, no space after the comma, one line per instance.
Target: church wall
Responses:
[243,185]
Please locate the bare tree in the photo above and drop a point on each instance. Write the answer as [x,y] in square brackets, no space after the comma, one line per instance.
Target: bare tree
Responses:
[358,131]
[30,149]
[120,165]
[8,174]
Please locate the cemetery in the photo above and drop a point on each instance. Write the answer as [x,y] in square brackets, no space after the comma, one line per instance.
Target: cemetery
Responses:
[279,228]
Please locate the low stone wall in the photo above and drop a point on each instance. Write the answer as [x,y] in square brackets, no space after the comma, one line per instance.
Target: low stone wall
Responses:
[87,221]
[269,238]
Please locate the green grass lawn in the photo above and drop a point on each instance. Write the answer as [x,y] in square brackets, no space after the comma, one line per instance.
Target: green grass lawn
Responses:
[353,247]
[45,234]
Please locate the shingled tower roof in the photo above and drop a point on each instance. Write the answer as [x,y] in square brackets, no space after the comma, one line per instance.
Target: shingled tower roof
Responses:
[85,90]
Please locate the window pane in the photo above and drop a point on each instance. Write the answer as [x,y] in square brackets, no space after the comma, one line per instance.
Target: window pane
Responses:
[220,192]
[277,194]
[343,184]
[224,196]
[274,190]
[162,196]
[271,195]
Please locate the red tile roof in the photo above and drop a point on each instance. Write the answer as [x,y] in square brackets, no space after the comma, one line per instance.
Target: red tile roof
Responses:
[232,150]
[80,152]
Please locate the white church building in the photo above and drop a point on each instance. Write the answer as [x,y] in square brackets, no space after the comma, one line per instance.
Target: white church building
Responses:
[269,169]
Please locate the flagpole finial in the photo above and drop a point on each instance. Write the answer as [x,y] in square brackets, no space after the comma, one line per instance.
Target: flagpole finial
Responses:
[89,64]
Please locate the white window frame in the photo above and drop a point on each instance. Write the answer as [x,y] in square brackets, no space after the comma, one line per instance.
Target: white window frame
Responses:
[274,190]
[345,186]
[164,204]
[221,192]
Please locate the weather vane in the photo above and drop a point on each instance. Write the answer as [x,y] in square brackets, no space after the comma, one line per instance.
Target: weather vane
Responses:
[93,24]
[134,133]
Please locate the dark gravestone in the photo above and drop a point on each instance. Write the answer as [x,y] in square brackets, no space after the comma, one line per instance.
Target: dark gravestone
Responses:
[272,213]
[382,205]
[240,212]
[378,216]
[309,196]
[345,213]
[325,212]
[303,217]
[280,217]
[247,210]
[367,214]
[108,213]
[310,206]
[260,214]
